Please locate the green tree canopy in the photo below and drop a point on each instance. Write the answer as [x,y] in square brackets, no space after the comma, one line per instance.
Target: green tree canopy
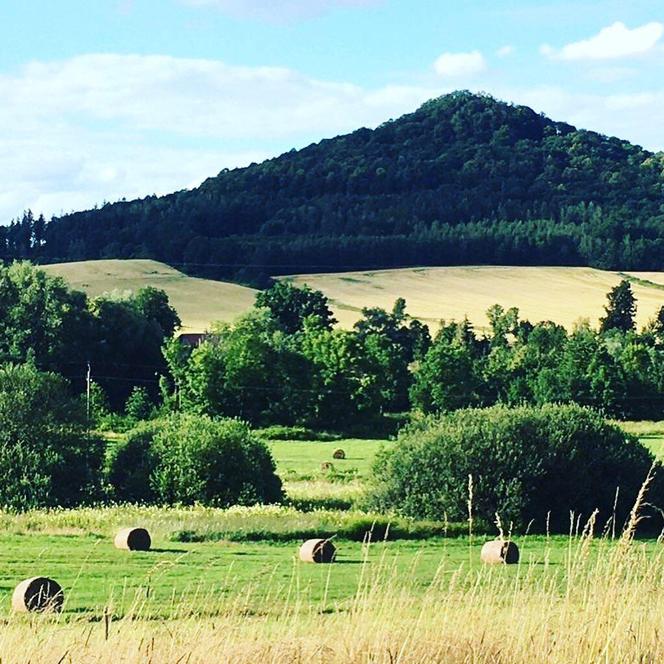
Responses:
[620,309]
[290,305]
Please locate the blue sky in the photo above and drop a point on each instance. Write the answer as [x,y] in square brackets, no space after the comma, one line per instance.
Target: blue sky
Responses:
[124,98]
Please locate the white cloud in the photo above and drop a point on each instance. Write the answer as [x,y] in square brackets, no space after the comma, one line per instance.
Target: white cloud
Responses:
[457,65]
[505,51]
[272,10]
[634,117]
[99,127]
[613,42]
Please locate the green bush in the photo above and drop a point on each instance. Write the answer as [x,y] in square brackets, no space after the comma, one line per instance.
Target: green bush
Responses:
[139,406]
[187,459]
[282,432]
[130,463]
[531,466]
[47,458]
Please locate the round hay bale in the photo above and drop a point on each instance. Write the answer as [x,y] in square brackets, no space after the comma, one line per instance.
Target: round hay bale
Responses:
[38,594]
[133,539]
[318,551]
[327,467]
[338,454]
[500,551]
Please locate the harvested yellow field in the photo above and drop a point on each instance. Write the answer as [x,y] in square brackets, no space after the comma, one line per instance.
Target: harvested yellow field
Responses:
[560,294]
[199,302]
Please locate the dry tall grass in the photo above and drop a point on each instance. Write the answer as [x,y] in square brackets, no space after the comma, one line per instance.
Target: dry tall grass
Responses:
[603,603]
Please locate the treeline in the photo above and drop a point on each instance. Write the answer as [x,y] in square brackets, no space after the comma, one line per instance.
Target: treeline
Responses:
[286,363]
[189,409]
[118,338]
[464,179]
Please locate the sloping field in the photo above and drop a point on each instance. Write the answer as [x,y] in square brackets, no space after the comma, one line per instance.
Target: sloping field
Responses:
[199,302]
[561,294]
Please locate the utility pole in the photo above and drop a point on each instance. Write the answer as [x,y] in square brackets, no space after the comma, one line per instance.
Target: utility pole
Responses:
[87,390]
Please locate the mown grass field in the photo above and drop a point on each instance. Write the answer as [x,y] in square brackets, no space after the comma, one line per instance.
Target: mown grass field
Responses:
[199,302]
[227,585]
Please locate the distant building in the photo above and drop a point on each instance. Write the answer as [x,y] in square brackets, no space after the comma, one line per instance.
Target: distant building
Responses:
[192,339]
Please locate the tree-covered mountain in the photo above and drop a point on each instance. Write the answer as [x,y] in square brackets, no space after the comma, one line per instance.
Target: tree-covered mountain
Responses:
[465,179]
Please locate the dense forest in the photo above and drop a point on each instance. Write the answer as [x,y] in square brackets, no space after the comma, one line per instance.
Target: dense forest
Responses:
[464,179]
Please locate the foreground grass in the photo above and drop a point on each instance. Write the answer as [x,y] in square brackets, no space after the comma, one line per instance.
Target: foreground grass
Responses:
[569,600]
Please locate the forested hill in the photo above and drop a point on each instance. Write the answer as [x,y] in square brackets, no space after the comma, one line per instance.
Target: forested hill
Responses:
[465,179]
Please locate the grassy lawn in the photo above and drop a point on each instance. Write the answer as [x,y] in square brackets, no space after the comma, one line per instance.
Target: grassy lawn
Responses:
[651,434]
[227,585]
[263,576]
[303,459]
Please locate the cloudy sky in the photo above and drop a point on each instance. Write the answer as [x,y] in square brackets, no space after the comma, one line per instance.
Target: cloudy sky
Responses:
[106,99]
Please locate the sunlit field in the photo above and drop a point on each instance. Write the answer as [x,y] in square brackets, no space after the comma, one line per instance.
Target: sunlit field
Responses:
[227,585]
[561,294]
[198,302]
[432,294]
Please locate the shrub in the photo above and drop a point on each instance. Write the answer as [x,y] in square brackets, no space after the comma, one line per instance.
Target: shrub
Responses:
[282,432]
[189,459]
[46,457]
[139,406]
[130,463]
[527,464]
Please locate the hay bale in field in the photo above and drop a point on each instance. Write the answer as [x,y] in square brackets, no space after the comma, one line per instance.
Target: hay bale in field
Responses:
[38,594]
[327,467]
[338,454]
[500,551]
[133,539]
[318,551]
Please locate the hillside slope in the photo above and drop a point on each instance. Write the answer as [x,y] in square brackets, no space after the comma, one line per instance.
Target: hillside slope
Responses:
[199,302]
[563,295]
[465,179]
[541,293]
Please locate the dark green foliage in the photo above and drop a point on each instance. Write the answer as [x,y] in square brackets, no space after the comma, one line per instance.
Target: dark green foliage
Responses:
[187,459]
[356,529]
[46,456]
[280,432]
[128,333]
[290,305]
[465,179]
[527,465]
[44,322]
[620,310]
[130,463]
[139,406]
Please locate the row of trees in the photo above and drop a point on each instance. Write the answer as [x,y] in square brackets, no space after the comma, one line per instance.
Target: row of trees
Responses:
[49,457]
[614,368]
[285,362]
[119,335]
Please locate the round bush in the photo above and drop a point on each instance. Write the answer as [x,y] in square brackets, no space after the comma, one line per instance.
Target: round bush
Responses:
[47,458]
[130,463]
[187,459]
[531,466]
